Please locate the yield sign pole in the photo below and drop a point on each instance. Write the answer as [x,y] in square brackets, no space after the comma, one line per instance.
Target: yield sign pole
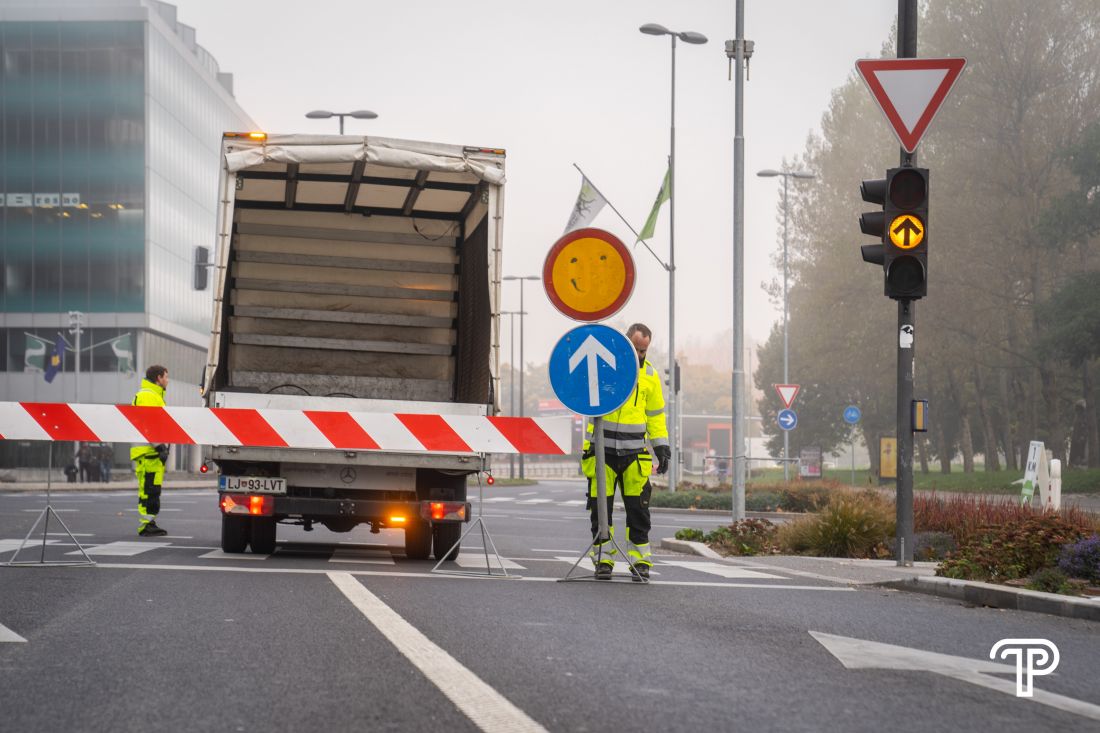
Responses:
[910,92]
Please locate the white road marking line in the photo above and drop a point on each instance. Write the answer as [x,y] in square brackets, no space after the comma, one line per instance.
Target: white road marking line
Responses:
[12,545]
[485,707]
[219,555]
[621,567]
[62,534]
[478,561]
[528,493]
[441,576]
[535,549]
[536,501]
[122,549]
[56,510]
[723,571]
[7,634]
[357,555]
[572,502]
[493,499]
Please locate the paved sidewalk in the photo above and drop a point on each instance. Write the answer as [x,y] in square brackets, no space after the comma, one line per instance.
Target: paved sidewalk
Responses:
[130,484]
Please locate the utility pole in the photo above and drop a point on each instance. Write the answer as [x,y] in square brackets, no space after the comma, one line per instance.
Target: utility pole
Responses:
[739,51]
[907,48]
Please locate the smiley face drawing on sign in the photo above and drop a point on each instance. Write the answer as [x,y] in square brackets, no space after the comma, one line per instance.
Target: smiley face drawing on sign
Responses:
[588,274]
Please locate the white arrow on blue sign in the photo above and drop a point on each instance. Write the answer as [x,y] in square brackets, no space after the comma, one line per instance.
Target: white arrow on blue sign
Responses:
[852,414]
[787,419]
[593,370]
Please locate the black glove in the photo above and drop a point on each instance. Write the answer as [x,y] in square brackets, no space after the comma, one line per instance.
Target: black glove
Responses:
[162,452]
[664,455]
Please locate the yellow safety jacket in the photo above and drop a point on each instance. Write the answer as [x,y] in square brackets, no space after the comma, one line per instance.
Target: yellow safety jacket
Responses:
[150,395]
[643,415]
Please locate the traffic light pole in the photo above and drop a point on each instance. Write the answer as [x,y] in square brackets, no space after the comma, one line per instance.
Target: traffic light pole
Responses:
[907,48]
[906,348]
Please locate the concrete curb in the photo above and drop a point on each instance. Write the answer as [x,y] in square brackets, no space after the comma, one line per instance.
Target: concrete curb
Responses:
[999,596]
[691,548]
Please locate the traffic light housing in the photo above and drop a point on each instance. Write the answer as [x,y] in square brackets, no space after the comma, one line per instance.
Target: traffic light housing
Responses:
[902,227]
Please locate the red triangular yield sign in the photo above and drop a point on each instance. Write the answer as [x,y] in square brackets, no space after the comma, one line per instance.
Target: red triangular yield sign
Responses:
[910,92]
[787,393]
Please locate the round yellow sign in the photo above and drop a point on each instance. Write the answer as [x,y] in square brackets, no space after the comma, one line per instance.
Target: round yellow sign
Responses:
[588,274]
[906,231]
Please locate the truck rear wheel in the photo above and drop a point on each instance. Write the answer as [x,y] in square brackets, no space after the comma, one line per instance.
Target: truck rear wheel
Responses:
[418,540]
[444,537]
[263,535]
[234,533]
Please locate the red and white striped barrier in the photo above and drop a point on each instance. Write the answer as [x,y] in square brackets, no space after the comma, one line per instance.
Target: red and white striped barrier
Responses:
[269,428]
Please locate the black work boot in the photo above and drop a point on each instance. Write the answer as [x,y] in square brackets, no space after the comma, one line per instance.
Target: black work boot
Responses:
[639,572]
[152,530]
[604,570]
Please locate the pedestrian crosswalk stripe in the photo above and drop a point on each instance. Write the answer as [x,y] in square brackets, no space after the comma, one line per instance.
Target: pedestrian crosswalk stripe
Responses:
[122,549]
[535,501]
[724,571]
[472,560]
[219,555]
[13,545]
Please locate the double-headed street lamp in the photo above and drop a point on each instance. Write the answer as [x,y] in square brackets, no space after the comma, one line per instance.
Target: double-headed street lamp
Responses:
[654,29]
[521,279]
[787,175]
[324,114]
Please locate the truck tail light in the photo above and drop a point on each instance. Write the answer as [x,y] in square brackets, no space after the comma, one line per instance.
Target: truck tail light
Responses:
[256,505]
[445,511]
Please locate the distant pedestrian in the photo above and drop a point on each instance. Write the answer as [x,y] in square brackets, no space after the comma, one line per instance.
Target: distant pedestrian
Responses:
[149,460]
[84,461]
[106,459]
[71,472]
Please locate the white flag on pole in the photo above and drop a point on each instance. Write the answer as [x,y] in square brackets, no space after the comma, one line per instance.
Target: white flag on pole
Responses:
[589,203]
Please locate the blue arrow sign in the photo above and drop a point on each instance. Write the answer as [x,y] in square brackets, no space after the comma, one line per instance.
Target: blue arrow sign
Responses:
[852,414]
[593,370]
[787,419]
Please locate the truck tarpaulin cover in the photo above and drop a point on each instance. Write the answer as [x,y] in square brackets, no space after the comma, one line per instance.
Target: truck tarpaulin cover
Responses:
[382,151]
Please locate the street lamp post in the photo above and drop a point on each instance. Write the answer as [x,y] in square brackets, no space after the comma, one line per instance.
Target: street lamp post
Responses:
[521,279]
[655,29]
[512,377]
[769,173]
[324,114]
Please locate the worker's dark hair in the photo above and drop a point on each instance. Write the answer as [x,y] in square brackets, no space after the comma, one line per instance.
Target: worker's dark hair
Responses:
[639,328]
[155,372]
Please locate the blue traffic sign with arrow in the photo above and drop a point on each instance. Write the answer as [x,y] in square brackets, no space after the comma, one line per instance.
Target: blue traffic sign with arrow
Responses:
[787,419]
[852,414]
[593,370]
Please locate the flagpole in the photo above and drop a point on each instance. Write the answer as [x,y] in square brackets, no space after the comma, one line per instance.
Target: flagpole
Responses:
[637,237]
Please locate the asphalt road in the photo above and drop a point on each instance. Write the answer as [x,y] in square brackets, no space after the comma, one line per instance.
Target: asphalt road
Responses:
[341,632]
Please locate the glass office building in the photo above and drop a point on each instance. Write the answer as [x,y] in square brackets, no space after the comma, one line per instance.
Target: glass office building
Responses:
[110,125]
[111,118]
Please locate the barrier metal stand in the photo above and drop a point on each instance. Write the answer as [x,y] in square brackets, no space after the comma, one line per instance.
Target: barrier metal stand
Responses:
[46,513]
[486,543]
[603,532]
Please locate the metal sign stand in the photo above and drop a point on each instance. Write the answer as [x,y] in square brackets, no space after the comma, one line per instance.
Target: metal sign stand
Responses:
[46,513]
[486,543]
[603,533]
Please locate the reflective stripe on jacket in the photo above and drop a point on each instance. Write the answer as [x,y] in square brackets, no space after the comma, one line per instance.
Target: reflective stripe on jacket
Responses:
[643,415]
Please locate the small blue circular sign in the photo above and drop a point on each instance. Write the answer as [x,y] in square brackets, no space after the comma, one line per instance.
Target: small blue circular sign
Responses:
[852,414]
[593,370]
[787,419]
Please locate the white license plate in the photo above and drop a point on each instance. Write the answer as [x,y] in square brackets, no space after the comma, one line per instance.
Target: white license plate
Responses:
[254,484]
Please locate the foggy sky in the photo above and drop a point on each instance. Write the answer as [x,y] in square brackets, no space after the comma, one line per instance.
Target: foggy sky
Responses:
[571,81]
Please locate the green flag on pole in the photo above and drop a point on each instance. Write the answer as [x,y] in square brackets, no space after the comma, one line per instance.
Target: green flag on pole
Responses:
[662,196]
